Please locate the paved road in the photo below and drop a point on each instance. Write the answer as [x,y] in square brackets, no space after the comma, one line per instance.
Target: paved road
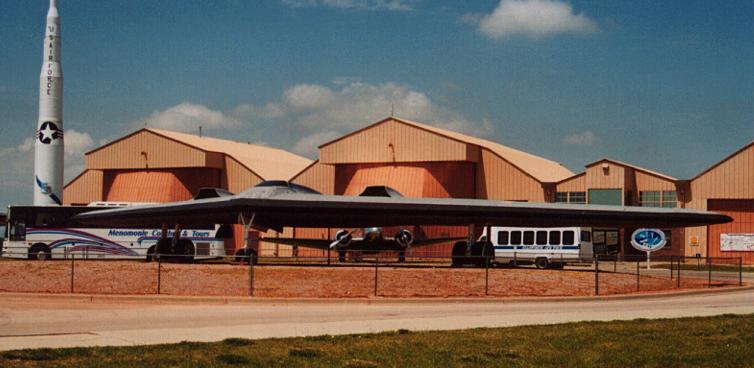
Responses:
[33,322]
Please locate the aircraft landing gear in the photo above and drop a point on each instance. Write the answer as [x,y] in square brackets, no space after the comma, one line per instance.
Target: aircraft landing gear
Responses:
[480,253]
[341,255]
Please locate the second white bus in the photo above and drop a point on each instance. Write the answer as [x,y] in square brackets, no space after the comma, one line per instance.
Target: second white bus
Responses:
[543,247]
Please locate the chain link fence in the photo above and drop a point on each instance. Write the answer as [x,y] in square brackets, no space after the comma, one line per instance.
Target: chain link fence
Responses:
[366,274]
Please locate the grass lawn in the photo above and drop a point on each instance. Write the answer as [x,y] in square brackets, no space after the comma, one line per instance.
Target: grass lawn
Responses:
[724,341]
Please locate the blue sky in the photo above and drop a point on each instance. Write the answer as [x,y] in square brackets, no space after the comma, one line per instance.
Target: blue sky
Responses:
[668,85]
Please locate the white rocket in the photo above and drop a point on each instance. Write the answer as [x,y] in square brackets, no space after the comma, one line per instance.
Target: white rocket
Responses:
[48,149]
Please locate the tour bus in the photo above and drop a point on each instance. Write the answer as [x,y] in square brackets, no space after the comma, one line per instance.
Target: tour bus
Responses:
[46,232]
[543,247]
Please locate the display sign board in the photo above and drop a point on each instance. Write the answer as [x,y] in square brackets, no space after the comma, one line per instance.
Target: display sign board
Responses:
[737,242]
[648,240]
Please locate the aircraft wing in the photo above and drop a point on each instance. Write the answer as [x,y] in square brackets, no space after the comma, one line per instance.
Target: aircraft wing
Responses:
[309,243]
[423,243]
[325,244]
[276,206]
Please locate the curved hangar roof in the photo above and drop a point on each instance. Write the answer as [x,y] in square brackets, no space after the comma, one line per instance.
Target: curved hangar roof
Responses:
[148,147]
[268,162]
[380,140]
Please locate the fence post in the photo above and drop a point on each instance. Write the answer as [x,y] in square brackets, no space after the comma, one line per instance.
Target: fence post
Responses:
[596,275]
[678,279]
[251,274]
[671,266]
[376,264]
[638,275]
[487,277]
[72,270]
[515,259]
[159,274]
[740,271]
[709,272]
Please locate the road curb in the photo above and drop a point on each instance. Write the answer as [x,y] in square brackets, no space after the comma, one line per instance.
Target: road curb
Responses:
[181,299]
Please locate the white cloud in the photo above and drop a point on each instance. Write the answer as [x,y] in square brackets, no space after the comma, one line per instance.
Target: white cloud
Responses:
[356,104]
[187,117]
[18,168]
[26,146]
[532,18]
[269,111]
[307,146]
[77,143]
[317,113]
[389,5]
[308,96]
[587,138]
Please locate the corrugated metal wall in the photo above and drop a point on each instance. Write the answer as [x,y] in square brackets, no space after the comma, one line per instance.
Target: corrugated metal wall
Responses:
[742,211]
[84,189]
[599,178]
[427,179]
[498,179]
[574,184]
[733,178]
[646,182]
[319,177]
[157,185]
[394,142]
[147,150]
[237,177]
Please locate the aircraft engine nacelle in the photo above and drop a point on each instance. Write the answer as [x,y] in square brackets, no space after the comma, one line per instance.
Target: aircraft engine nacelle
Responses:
[343,237]
[404,238]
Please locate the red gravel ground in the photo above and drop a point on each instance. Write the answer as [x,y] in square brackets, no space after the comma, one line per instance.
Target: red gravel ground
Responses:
[128,277]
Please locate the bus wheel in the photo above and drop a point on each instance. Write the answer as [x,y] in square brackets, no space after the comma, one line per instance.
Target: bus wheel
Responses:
[542,262]
[184,249]
[243,255]
[458,254]
[40,252]
[151,254]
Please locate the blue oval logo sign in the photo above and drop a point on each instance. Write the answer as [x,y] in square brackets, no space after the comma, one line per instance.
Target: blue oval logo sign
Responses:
[648,240]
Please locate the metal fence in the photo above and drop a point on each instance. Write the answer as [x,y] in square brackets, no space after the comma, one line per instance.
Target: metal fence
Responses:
[679,271]
[366,274]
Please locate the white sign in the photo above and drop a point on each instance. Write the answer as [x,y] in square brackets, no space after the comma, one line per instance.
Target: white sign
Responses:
[648,240]
[737,242]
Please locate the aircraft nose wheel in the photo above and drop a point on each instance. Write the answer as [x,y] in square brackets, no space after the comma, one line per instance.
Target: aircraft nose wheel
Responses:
[341,255]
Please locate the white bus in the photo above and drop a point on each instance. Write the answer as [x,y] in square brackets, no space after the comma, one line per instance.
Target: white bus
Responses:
[46,232]
[543,247]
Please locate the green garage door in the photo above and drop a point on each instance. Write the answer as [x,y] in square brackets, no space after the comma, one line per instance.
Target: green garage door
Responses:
[606,196]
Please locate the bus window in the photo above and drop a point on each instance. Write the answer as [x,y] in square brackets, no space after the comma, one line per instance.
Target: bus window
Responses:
[586,236]
[541,237]
[515,238]
[554,237]
[502,238]
[568,237]
[528,238]
[17,231]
